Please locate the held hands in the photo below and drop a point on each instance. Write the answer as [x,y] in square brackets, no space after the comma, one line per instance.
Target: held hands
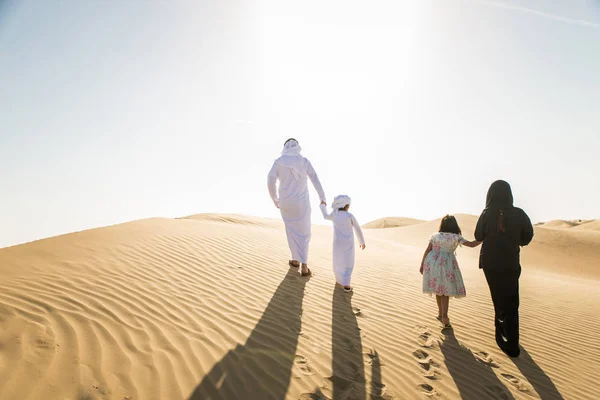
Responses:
[322,202]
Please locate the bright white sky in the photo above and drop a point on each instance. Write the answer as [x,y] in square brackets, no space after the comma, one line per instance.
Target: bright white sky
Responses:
[112,111]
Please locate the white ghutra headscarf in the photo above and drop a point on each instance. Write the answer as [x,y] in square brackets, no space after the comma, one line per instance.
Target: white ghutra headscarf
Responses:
[340,201]
[291,148]
[291,158]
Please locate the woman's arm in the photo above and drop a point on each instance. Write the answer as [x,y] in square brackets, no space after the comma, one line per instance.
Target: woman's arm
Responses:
[526,230]
[480,228]
[427,250]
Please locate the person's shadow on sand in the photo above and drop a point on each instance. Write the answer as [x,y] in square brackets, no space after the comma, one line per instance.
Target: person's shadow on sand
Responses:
[541,382]
[377,386]
[475,380]
[346,349]
[262,367]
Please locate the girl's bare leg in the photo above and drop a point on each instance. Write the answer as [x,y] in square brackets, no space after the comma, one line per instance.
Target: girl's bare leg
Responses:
[439,303]
[445,304]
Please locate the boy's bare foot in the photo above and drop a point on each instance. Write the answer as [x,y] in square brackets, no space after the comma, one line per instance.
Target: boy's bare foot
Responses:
[347,289]
[294,264]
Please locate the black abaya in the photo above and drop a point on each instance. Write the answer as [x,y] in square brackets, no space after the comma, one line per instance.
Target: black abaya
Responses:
[503,228]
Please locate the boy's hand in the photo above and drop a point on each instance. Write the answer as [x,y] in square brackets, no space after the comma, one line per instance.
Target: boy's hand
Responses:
[421,270]
[362,246]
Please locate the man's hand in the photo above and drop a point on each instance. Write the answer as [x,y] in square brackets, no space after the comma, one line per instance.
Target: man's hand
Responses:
[362,246]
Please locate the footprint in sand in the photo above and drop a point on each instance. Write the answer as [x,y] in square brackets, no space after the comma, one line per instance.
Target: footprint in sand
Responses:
[430,368]
[428,390]
[486,358]
[427,340]
[43,344]
[379,391]
[518,383]
[302,364]
[101,389]
[356,311]
[420,355]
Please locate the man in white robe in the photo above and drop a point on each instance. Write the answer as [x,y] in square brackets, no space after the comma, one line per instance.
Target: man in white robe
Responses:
[292,199]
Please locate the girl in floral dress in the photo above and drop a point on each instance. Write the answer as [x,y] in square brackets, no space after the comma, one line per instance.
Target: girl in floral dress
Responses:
[441,274]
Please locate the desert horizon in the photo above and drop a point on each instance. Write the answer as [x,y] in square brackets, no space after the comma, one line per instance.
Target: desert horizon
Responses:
[379,223]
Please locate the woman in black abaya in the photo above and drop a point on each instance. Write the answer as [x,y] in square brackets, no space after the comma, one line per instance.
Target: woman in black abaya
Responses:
[503,229]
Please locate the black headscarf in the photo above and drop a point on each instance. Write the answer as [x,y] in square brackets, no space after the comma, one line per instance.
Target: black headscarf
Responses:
[502,228]
[499,198]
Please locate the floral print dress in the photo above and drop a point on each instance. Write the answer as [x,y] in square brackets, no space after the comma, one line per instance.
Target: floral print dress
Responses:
[441,275]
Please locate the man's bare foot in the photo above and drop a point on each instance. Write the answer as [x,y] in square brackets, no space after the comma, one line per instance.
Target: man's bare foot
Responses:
[294,263]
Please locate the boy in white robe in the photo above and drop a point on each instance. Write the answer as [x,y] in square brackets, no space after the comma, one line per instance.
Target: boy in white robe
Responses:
[292,199]
[344,226]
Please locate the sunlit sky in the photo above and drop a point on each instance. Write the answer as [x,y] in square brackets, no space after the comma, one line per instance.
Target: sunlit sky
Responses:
[112,111]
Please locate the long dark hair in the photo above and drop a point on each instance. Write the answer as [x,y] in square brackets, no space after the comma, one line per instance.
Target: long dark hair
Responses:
[450,225]
[499,198]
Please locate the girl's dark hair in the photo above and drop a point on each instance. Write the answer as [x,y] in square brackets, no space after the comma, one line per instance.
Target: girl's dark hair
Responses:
[450,225]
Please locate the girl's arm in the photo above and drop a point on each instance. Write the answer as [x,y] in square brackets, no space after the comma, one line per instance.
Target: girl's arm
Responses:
[427,250]
[464,242]
[474,243]
[326,215]
[359,233]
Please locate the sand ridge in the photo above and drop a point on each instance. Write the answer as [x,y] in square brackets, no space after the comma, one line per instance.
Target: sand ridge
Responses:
[578,224]
[206,307]
[391,222]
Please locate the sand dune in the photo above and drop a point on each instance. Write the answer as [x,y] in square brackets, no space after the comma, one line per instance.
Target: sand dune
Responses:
[560,224]
[205,307]
[575,224]
[391,222]
[593,225]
